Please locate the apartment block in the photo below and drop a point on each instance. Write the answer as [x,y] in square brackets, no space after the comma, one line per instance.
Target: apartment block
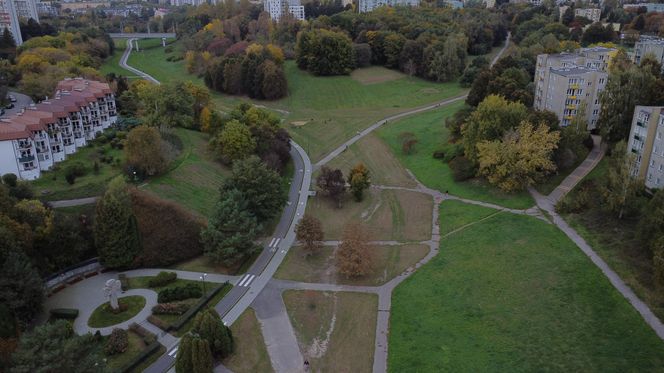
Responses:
[369,5]
[592,14]
[646,141]
[567,81]
[35,139]
[650,7]
[279,8]
[648,45]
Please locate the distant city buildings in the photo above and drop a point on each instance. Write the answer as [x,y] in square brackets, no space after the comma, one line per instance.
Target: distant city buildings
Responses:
[648,45]
[592,14]
[279,8]
[47,8]
[44,134]
[564,82]
[369,5]
[191,2]
[650,7]
[10,13]
[646,141]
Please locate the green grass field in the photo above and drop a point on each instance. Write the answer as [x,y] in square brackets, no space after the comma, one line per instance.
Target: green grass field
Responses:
[102,316]
[250,353]
[111,64]
[151,58]
[194,178]
[512,293]
[429,129]
[455,215]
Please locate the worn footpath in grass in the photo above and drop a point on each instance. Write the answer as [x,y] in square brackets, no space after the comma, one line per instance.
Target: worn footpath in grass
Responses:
[151,59]
[195,176]
[513,293]
[456,214]
[52,185]
[102,316]
[386,263]
[386,214]
[335,331]
[250,353]
[429,129]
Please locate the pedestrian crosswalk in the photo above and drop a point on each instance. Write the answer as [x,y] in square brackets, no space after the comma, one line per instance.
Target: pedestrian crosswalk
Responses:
[274,244]
[246,280]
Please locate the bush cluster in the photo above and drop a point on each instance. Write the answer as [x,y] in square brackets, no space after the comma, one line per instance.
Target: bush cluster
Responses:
[162,279]
[462,168]
[179,293]
[74,170]
[117,342]
[170,308]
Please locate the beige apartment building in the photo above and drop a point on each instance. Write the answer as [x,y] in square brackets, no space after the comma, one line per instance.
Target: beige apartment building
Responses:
[646,141]
[592,14]
[648,45]
[567,81]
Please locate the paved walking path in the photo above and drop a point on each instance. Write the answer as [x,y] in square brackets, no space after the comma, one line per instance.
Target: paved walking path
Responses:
[72,202]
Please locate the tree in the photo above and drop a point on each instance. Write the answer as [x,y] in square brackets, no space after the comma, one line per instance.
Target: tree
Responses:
[309,231]
[274,84]
[115,229]
[521,159]
[260,187]
[359,181]
[619,189]
[167,105]
[568,16]
[21,287]
[234,142]
[494,116]
[201,356]
[446,60]
[54,347]
[232,229]
[324,52]
[331,183]
[353,257]
[183,360]
[144,150]
[208,326]
[651,224]
[597,33]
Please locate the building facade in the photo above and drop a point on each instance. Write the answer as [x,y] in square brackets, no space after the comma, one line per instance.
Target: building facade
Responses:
[279,8]
[646,142]
[569,84]
[35,139]
[650,7]
[369,5]
[648,45]
[592,14]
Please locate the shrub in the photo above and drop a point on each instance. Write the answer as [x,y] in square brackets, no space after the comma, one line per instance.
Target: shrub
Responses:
[462,168]
[159,323]
[74,170]
[71,179]
[168,49]
[117,342]
[580,200]
[163,278]
[64,313]
[588,142]
[10,180]
[102,139]
[451,151]
[179,293]
[95,168]
[170,308]
[124,282]
[169,233]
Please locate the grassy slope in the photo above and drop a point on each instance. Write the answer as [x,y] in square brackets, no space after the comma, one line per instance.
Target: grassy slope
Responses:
[429,129]
[512,293]
[457,214]
[250,353]
[195,176]
[111,65]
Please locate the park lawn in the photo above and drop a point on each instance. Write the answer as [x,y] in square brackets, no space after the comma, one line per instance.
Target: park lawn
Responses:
[429,129]
[250,353]
[398,215]
[52,186]
[194,178]
[336,331]
[386,263]
[618,243]
[384,167]
[136,346]
[456,214]
[141,282]
[102,316]
[112,63]
[513,293]
[151,59]
[205,264]
[76,211]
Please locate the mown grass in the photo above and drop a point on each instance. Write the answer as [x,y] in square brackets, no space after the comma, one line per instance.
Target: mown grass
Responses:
[513,293]
[102,316]
[151,58]
[429,129]
[456,214]
[250,353]
[112,63]
[136,346]
[194,178]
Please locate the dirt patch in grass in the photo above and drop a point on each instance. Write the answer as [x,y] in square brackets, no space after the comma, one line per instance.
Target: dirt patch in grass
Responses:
[299,123]
[336,331]
[375,74]
[387,214]
[250,352]
[387,263]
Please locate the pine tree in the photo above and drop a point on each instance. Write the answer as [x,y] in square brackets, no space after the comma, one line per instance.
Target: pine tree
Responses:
[115,230]
[201,357]
[231,230]
[208,326]
[183,361]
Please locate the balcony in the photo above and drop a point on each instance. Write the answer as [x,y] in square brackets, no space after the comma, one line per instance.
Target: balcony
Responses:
[27,158]
[574,86]
[24,145]
[570,107]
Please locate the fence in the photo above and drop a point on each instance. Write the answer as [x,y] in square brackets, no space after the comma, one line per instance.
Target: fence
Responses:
[75,271]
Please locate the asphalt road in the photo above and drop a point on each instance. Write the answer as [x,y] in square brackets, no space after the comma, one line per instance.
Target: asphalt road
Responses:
[22,101]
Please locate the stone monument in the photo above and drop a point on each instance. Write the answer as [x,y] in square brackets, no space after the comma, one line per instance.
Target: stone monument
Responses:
[111,290]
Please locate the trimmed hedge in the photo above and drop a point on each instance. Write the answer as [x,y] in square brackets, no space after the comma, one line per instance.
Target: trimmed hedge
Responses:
[154,320]
[162,279]
[196,307]
[146,354]
[148,336]
[64,313]
[170,308]
[180,293]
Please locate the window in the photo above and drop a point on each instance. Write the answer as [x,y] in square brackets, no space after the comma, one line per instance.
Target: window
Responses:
[601,80]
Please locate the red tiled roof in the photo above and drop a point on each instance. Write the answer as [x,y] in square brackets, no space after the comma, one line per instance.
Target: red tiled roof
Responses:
[13,131]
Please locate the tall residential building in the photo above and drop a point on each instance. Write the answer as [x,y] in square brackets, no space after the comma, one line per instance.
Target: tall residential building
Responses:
[648,45]
[650,7]
[40,136]
[9,20]
[646,141]
[369,5]
[26,9]
[563,82]
[279,8]
[592,14]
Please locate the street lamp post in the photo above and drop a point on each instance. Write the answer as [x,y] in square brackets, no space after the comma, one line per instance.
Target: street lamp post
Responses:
[203,280]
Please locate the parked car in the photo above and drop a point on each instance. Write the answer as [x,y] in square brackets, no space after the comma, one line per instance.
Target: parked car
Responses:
[9,105]
[12,98]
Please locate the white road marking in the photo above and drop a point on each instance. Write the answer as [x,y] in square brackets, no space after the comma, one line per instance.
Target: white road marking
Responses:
[272,242]
[276,243]
[243,280]
[251,278]
[173,352]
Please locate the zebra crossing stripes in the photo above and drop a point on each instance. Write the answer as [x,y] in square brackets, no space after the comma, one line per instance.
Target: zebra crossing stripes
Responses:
[274,244]
[246,280]
[173,352]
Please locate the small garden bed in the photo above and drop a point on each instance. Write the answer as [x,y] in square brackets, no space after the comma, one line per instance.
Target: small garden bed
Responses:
[104,316]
